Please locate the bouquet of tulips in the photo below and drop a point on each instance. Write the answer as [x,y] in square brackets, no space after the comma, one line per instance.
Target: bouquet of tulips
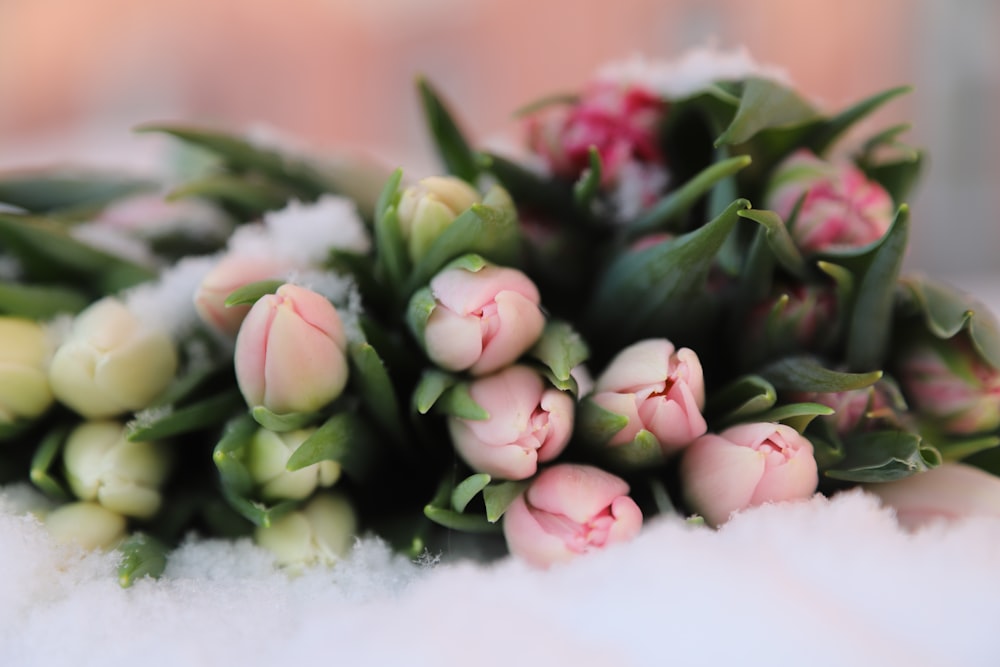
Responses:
[683,296]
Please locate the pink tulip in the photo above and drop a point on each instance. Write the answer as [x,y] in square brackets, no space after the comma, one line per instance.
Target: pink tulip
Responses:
[659,389]
[950,382]
[842,209]
[483,320]
[620,121]
[746,466]
[529,422]
[808,313]
[949,492]
[290,352]
[858,409]
[229,274]
[569,510]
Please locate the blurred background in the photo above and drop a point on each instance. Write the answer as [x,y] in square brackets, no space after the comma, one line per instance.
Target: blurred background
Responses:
[75,76]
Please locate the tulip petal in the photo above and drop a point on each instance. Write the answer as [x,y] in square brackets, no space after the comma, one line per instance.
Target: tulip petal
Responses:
[577,491]
[720,477]
[454,342]
[624,405]
[559,406]
[503,461]
[510,397]
[466,292]
[521,324]
[637,366]
[527,540]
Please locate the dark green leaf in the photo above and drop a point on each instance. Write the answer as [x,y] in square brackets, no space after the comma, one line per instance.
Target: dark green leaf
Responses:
[561,348]
[468,489]
[897,176]
[142,556]
[884,456]
[250,197]
[162,423]
[419,310]
[681,200]
[831,129]
[52,190]
[529,189]
[796,415]
[766,104]
[344,438]
[456,401]
[779,240]
[40,302]
[466,523]
[280,423]
[41,464]
[597,425]
[452,147]
[642,453]
[250,293]
[433,383]
[956,449]
[805,374]
[742,398]
[371,379]
[499,495]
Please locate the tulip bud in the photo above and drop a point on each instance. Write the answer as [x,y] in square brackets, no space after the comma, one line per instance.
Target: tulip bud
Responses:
[229,274]
[529,422]
[859,409]
[841,208]
[796,318]
[569,510]
[86,524]
[24,381]
[659,389]
[949,382]
[481,320]
[290,352]
[267,458]
[949,492]
[321,532]
[622,122]
[123,476]
[111,363]
[745,466]
[428,208]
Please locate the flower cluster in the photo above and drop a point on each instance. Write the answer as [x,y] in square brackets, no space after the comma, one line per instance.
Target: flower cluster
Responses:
[673,302]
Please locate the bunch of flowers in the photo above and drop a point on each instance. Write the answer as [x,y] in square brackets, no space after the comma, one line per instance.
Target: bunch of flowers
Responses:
[685,297]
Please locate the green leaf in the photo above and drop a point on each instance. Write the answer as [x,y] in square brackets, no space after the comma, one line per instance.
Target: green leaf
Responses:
[884,456]
[433,383]
[468,489]
[545,102]
[419,310]
[888,137]
[831,129]
[371,379]
[499,495]
[141,556]
[344,438]
[392,253]
[456,401]
[742,398]
[250,293]
[560,348]
[546,195]
[957,449]
[796,415]
[160,423]
[307,179]
[681,200]
[389,196]
[766,104]
[41,464]
[250,197]
[597,425]
[466,523]
[661,289]
[589,184]
[52,190]
[452,147]
[642,453]
[47,251]
[805,374]
[779,240]
[40,302]
[871,315]
[897,176]
[291,421]
[489,229]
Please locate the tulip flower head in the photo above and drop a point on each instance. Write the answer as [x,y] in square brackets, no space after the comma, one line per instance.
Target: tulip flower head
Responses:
[529,423]
[290,352]
[121,475]
[482,320]
[951,491]
[841,209]
[428,208]
[266,462]
[24,380]
[949,382]
[229,274]
[745,466]
[321,532]
[569,510]
[86,524]
[111,363]
[659,389]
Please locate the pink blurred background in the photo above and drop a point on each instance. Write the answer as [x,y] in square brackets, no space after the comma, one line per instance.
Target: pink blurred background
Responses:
[75,75]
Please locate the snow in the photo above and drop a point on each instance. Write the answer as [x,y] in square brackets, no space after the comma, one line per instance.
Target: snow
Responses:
[168,302]
[824,582]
